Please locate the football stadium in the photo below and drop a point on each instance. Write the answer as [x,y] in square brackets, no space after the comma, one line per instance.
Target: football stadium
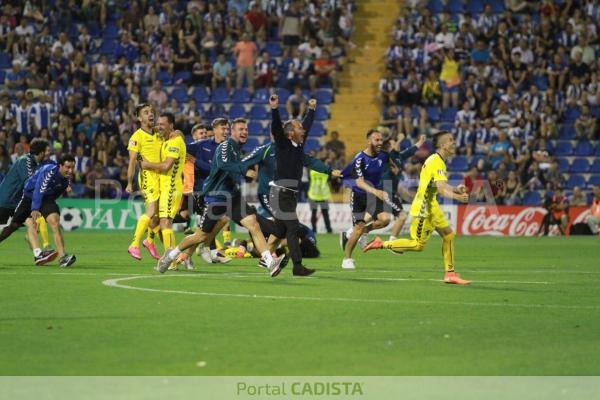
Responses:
[375,199]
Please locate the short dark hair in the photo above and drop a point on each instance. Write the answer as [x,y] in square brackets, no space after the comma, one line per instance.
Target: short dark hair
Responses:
[287,126]
[199,126]
[66,158]
[219,121]
[372,131]
[436,137]
[139,108]
[38,146]
[169,116]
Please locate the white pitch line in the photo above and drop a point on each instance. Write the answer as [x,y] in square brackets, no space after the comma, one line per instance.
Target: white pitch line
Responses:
[116,284]
[440,280]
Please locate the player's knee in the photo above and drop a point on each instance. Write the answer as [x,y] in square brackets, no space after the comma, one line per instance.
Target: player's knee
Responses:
[449,236]
[359,227]
[420,246]
[384,219]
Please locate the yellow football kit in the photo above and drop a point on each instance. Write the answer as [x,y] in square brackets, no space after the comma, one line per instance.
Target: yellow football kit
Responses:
[148,146]
[427,215]
[171,181]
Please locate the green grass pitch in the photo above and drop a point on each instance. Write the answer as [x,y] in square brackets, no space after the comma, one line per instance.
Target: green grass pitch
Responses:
[533,309]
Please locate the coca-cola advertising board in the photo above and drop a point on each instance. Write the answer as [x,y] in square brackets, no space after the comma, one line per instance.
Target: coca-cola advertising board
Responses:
[508,220]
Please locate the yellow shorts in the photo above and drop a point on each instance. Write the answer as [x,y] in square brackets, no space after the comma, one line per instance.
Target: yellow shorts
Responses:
[170,202]
[149,186]
[422,228]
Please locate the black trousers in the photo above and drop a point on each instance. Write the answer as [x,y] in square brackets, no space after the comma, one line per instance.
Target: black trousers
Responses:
[283,203]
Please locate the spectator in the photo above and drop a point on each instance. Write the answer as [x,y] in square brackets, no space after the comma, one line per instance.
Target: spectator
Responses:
[553,177]
[577,199]
[183,58]
[586,125]
[5,160]
[64,43]
[512,189]
[256,18]
[157,95]
[431,93]
[290,29]
[499,150]
[325,72]
[336,145]
[222,72]
[125,48]
[202,71]
[15,79]
[450,80]
[298,70]
[389,88]
[245,52]
[82,164]
[93,187]
[296,103]
[311,49]
[266,71]
[593,220]
[558,213]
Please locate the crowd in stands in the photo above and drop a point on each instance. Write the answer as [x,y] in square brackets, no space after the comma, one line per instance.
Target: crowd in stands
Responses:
[516,81]
[73,71]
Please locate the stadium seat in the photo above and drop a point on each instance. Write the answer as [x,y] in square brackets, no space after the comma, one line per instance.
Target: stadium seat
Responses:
[108,47]
[595,110]
[532,198]
[474,161]
[258,112]
[575,180]
[563,165]
[255,128]
[240,96]
[5,60]
[321,113]
[596,166]
[497,6]
[456,178]
[261,96]
[220,95]
[459,163]
[563,149]
[584,149]
[317,129]
[200,94]
[283,94]
[181,77]
[594,180]
[324,96]
[312,144]
[180,94]
[572,114]
[164,77]
[433,114]
[580,165]
[274,49]
[237,111]
[566,132]
[435,6]
[597,152]
[454,6]
[448,114]
[251,144]
[111,31]
[283,113]
[474,7]
[446,126]
[2,76]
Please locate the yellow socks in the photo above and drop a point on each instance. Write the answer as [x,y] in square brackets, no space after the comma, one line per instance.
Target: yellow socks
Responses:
[227,236]
[168,238]
[152,234]
[401,245]
[448,251]
[140,229]
[43,227]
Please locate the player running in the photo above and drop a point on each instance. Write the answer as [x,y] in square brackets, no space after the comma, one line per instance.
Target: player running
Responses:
[11,188]
[40,192]
[170,171]
[145,144]
[223,197]
[426,213]
[369,200]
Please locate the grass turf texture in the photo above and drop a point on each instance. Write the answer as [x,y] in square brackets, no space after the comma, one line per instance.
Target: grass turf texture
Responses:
[533,309]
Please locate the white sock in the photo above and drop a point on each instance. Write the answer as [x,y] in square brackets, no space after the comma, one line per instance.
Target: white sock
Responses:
[173,253]
[37,252]
[392,238]
[214,253]
[266,255]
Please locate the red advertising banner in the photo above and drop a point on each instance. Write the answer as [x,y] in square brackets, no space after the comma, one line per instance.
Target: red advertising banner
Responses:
[508,220]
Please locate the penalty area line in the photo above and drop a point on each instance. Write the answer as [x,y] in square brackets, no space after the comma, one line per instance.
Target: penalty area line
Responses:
[117,283]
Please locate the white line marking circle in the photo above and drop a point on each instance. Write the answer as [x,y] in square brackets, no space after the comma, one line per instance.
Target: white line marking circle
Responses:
[117,283]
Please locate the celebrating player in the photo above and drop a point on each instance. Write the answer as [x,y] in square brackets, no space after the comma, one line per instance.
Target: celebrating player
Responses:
[425,211]
[146,144]
[11,188]
[170,171]
[40,192]
[367,168]
[223,197]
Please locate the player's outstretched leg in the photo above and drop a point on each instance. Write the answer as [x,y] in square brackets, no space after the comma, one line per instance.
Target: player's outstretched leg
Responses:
[398,245]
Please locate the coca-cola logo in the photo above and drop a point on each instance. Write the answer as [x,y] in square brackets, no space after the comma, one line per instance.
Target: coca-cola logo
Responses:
[502,221]
[582,217]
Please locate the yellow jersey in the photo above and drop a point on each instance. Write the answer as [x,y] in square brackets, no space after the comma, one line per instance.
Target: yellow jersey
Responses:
[147,145]
[173,148]
[434,170]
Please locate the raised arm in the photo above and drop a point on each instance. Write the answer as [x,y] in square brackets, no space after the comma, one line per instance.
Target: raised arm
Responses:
[257,155]
[309,117]
[223,159]
[276,124]
[399,156]
[159,167]
[316,165]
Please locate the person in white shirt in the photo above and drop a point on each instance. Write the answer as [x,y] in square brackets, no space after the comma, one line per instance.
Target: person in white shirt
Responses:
[63,41]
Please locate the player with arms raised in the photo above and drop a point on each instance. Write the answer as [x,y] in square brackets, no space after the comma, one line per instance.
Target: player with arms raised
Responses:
[145,144]
[426,213]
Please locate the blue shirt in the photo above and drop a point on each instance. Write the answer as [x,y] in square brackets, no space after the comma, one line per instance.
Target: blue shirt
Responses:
[203,151]
[45,183]
[369,168]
